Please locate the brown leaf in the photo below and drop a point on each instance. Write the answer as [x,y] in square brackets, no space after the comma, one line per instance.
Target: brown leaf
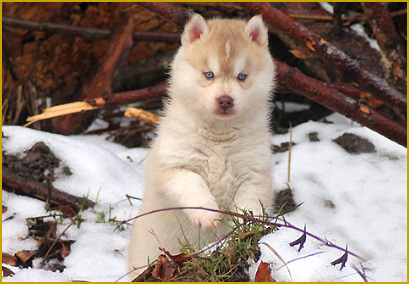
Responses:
[179,259]
[6,271]
[24,255]
[9,259]
[3,208]
[263,273]
[65,251]
[310,45]
[368,99]
[364,109]
[163,269]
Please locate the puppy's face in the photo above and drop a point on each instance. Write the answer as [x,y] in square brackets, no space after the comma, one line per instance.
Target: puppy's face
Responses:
[223,68]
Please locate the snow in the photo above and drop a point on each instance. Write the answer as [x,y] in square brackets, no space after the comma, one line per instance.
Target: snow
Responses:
[358,201]
[359,29]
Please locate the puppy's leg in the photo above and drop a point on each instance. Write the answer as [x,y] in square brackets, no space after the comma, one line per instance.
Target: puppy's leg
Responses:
[188,189]
[255,194]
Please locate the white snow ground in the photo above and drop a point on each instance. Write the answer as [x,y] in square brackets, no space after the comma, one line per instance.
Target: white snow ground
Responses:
[367,194]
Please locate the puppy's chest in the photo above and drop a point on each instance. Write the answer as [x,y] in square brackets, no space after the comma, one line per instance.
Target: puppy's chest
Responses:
[221,168]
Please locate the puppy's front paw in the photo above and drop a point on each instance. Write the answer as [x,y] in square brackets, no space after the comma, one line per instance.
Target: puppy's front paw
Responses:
[207,220]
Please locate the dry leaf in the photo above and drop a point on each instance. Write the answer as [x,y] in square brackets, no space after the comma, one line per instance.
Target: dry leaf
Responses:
[310,45]
[65,248]
[7,272]
[4,209]
[263,273]
[301,54]
[368,99]
[179,259]
[364,109]
[163,269]
[9,259]
[24,255]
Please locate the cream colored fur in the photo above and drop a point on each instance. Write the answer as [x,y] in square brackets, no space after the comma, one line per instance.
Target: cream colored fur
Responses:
[206,155]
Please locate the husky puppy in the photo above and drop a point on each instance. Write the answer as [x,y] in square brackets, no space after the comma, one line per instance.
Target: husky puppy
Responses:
[213,145]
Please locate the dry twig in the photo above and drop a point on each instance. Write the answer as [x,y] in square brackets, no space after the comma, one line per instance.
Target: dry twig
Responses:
[90,33]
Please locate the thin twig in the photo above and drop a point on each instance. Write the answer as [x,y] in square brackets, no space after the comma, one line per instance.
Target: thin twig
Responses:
[52,245]
[289,153]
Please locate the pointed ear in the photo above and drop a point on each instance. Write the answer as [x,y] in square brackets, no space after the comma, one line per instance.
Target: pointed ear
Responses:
[194,29]
[257,31]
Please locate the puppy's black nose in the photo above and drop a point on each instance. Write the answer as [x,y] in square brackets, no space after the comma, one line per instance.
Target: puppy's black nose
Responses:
[225,102]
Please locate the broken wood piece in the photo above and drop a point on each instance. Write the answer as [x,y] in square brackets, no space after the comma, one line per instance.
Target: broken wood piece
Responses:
[142,115]
[60,110]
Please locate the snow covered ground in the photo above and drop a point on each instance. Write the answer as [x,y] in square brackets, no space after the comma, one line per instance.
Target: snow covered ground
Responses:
[354,200]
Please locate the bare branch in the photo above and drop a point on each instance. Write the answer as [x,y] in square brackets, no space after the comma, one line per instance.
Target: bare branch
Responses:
[90,33]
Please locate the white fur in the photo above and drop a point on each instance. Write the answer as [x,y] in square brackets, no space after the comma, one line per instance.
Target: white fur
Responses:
[201,158]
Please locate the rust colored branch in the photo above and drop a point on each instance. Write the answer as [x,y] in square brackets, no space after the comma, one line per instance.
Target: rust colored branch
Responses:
[332,55]
[12,182]
[90,33]
[98,82]
[292,79]
[129,97]
[169,12]
[389,40]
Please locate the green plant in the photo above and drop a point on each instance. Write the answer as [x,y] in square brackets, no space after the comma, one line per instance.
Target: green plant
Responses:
[229,260]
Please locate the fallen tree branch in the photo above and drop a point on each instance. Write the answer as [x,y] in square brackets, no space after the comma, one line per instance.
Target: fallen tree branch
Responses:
[90,33]
[292,79]
[332,55]
[15,183]
[154,92]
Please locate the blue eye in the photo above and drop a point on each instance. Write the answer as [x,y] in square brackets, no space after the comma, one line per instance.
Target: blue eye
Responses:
[209,75]
[241,76]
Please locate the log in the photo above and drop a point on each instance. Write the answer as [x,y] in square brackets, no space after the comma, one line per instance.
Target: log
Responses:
[15,183]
